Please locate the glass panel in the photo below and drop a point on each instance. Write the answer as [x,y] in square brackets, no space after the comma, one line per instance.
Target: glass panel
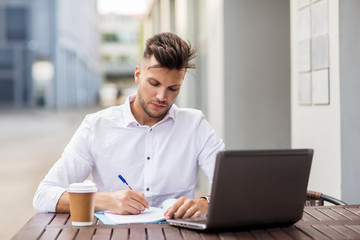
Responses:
[6,91]
[6,59]
[109,37]
[16,24]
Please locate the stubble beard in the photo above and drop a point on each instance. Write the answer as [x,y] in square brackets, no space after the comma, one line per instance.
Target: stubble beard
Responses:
[146,110]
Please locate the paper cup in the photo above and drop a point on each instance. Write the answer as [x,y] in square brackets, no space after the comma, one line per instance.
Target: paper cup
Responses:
[82,203]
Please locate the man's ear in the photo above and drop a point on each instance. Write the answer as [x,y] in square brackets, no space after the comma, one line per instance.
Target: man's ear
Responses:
[137,74]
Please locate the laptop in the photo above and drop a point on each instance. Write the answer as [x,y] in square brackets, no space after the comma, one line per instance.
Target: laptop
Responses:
[253,189]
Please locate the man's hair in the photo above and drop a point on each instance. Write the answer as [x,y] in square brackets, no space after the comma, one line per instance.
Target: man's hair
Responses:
[170,51]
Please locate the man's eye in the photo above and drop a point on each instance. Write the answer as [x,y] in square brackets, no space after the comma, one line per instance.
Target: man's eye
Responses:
[154,83]
[174,89]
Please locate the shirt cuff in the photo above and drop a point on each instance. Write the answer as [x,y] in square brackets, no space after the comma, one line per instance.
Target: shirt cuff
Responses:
[46,199]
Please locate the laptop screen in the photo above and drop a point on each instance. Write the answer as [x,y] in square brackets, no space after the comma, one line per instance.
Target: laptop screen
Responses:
[260,187]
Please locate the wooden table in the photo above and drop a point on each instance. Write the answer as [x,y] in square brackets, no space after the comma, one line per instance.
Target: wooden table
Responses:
[327,222]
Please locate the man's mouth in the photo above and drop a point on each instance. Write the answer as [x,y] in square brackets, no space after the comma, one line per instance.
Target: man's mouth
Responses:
[158,106]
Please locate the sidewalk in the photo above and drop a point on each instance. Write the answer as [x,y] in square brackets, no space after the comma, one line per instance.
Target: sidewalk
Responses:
[30,142]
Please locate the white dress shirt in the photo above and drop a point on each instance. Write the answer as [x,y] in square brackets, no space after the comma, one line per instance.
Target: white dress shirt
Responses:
[161,161]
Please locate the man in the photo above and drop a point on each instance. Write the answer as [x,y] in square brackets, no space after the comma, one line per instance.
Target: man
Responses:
[156,146]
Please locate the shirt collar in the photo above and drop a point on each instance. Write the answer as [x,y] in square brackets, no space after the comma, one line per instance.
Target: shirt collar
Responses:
[130,120]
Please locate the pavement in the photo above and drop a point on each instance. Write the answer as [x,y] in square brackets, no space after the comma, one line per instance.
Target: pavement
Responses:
[31,141]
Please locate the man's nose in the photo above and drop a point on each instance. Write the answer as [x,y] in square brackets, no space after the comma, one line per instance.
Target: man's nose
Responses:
[161,95]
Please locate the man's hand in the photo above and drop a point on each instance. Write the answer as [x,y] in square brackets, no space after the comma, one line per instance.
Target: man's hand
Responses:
[187,208]
[121,202]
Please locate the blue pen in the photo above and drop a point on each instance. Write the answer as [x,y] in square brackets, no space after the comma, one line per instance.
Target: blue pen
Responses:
[124,181]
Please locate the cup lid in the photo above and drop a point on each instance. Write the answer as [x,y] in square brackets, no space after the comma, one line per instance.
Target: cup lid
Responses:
[83,187]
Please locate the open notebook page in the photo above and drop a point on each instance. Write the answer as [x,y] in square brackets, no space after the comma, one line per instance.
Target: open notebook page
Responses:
[152,214]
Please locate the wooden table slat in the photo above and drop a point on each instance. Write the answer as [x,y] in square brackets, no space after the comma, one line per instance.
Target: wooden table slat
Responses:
[227,236]
[85,233]
[278,233]
[354,210]
[60,219]
[155,234]
[120,234]
[350,234]
[314,233]
[50,233]
[331,233]
[244,236]
[307,217]
[261,234]
[347,213]
[332,214]
[137,233]
[29,233]
[355,228]
[172,233]
[69,222]
[68,233]
[317,214]
[35,226]
[40,220]
[190,234]
[209,236]
[295,233]
[102,234]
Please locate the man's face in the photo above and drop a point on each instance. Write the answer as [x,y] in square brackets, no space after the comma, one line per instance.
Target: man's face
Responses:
[158,87]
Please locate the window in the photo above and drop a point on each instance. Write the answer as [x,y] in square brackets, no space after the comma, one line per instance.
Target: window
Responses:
[109,37]
[16,24]
[120,37]
[6,90]
[6,59]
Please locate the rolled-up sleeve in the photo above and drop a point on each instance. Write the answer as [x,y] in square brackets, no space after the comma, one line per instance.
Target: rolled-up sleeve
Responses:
[74,165]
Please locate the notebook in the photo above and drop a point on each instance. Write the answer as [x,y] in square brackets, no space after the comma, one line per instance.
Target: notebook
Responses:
[151,215]
[259,188]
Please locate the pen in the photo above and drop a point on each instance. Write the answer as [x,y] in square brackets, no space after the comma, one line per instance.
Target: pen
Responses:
[124,181]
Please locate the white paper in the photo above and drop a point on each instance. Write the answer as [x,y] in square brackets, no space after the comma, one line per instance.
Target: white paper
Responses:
[152,214]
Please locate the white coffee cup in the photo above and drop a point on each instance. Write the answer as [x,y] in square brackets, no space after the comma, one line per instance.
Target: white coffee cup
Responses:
[82,203]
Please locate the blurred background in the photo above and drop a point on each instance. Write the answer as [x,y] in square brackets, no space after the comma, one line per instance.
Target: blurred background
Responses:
[270,74]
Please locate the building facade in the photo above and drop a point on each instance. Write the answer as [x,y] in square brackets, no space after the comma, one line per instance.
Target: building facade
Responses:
[325,92]
[48,53]
[276,74]
[120,53]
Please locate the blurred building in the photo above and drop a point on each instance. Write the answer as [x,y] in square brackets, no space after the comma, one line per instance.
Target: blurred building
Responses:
[276,74]
[120,52]
[48,53]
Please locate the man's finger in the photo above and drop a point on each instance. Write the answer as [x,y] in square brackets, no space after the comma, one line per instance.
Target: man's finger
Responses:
[139,197]
[196,215]
[174,208]
[189,212]
[180,213]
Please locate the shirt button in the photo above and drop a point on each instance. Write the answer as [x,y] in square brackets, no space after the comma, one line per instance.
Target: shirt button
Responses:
[150,129]
[147,189]
[148,158]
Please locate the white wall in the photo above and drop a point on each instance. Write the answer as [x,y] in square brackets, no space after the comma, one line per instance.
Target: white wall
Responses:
[350,88]
[318,126]
[215,66]
[256,74]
